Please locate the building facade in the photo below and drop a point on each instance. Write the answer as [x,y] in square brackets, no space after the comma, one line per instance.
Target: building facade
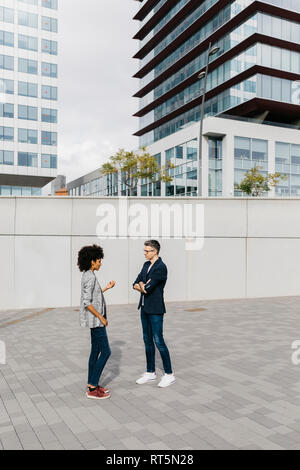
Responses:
[230,148]
[28,95]
[253,77]
[252,106]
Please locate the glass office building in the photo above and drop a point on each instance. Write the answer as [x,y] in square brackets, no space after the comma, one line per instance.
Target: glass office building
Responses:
[252,106]
[28,95]
[230,148]
[253,76]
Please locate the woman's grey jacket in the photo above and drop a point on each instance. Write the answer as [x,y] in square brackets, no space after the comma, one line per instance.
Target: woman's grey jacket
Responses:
[91,293]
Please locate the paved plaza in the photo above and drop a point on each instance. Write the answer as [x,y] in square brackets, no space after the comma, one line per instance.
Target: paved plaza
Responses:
[236,388]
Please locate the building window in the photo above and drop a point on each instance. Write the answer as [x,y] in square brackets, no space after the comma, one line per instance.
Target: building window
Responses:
[6,39]
[6,110]
[157,188]
[49,24]
[49,115]
[50,47]
[29,2]
[6,157]
[19,191]
[28,66]
[180,180]
[169,155]
[27,136]
[6,15]
[7,86]
[170,189]
[50,4]
[49,92]
[28,42]
[49,161]
[158,159]
[49,70]
[49,138]
[6,133]
[249,153]
[192,150]
[28,112]
[191,179]
[179,152]
[215,167]
[6,62]
[287,161]
[242,148]
[28,19]
[27,159]
[28,89]
[259,150]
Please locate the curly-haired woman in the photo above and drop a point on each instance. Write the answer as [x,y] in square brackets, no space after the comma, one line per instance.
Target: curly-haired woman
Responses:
[93,316]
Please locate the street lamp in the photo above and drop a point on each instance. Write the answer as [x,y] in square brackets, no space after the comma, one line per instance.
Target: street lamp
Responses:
[211,51]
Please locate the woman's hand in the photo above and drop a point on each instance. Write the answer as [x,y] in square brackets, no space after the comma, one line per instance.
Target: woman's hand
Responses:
[111,284]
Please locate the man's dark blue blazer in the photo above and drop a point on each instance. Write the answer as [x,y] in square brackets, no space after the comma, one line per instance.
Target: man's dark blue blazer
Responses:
[154,299]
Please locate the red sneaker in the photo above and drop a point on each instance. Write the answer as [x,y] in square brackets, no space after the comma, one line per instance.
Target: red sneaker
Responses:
[102,389]
[97,394]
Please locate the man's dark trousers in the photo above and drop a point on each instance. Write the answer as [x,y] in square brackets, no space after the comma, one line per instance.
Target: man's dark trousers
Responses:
[153,335]
[152,312]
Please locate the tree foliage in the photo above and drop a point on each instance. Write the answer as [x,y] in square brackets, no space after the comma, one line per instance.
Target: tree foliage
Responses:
[255,184]
[132,167]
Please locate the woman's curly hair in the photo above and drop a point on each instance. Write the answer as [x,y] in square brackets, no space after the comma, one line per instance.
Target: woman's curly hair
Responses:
[87,254]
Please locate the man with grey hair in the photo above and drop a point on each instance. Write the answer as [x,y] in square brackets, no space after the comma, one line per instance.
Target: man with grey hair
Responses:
[150,283]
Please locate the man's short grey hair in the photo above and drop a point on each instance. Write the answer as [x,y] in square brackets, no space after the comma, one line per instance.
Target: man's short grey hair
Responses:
[153,244]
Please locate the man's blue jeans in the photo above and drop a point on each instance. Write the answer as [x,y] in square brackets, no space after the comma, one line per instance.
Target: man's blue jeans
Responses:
[100,352]
[153,334]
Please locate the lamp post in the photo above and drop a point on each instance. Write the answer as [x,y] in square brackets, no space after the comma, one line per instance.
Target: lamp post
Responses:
[201,75]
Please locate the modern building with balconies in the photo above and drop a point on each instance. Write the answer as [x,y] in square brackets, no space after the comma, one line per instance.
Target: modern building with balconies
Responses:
[252,100]
[28,95]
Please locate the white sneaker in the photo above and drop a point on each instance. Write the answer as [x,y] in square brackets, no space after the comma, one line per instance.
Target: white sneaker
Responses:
[147,377]
[166,380]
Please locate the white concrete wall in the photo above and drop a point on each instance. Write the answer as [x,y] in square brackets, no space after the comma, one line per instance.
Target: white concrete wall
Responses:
[251,249]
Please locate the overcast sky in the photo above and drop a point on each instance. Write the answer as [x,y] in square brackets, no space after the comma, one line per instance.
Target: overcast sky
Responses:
[95,84]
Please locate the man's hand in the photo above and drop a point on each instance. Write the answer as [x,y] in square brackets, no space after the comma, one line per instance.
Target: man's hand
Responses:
[141,284]
[104,321]
[137,287]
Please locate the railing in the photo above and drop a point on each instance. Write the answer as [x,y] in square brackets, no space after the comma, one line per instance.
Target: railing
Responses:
[215,164]
[162,22]
[247,164]
[258,121]
[152,12]
[288,168]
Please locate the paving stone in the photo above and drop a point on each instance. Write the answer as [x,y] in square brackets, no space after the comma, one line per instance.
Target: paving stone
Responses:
[133,443]
[30,441]
[54,445]
[239,391]
[11,441]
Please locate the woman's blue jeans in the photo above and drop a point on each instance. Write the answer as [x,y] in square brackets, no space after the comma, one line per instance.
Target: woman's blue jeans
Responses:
[153,336]
[100,352]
